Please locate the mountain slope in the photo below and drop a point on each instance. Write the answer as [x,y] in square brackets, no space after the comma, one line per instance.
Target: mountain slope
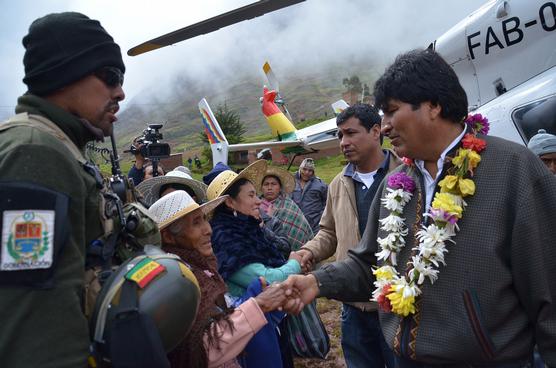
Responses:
[308,96]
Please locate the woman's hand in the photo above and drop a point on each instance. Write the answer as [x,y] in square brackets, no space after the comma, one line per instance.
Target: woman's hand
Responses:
[270,209]
[296,256]
[271,298]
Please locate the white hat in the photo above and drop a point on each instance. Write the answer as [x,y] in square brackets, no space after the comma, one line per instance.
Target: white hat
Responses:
[308,163]
[150,188]
[177,204]
[183,169]
[542,143]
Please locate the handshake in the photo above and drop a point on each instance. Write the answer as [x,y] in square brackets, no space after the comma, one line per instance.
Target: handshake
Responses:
[295,292]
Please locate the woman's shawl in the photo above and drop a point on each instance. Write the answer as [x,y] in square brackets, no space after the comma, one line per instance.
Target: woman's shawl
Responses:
[295,226]
[238,240]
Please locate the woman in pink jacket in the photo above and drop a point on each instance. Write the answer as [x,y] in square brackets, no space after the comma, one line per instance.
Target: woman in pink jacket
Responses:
[219,333]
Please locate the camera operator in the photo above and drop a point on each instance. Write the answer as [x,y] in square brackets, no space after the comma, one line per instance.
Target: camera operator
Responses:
[137,171]
[148,147]
[142,169]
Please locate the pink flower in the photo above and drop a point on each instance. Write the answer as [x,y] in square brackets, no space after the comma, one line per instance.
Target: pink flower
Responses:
[439,214]
[401,181]
[478,123]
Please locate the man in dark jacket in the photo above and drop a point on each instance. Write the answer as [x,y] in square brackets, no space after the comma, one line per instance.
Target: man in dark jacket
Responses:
[469,282]
[49,192]
[310,193]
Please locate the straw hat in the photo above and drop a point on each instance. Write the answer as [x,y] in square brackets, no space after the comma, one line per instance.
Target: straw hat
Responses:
[254,173]
[286,178]
[150,188]
[177,204]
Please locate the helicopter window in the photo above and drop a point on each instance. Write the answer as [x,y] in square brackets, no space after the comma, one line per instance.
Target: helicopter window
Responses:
[540,114]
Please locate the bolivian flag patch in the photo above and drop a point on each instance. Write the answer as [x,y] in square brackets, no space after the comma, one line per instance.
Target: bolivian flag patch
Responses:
[144,272]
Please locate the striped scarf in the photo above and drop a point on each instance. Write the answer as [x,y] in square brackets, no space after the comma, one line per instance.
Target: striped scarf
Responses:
[295,226]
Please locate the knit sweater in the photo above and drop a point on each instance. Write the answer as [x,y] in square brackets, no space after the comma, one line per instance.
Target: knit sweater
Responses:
[496,296]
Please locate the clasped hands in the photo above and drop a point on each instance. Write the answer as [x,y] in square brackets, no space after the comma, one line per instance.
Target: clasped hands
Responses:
[290,295]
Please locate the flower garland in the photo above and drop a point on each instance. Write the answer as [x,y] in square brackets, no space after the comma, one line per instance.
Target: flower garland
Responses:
[396,293]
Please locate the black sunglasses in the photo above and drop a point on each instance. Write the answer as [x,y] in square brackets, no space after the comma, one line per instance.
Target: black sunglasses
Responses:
[111,76]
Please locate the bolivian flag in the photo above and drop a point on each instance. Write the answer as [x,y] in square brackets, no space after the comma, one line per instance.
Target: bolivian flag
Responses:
[144,272]
[279,124]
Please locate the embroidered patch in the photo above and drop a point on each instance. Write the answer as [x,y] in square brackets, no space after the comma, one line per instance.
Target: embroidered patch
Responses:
[27,240]
[144,272]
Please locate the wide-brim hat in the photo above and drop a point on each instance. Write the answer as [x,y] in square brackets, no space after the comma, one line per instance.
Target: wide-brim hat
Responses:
[286,178]
[254,173]
[150,188]
[177,204]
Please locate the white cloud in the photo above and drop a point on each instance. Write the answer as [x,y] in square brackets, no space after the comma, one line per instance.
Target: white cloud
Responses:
[300,37]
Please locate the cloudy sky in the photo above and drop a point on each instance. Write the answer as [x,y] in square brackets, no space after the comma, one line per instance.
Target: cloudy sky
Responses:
[299,37]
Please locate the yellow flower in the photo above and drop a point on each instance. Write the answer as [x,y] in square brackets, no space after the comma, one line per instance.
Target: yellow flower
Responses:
[384,273]
[448,184]
[401,305]
[466,187]
[446,202]
[460,158]
[474,159]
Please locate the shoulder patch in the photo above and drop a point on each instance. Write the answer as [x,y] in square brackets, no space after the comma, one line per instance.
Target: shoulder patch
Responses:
[144,272]
[34,227]
[27,239]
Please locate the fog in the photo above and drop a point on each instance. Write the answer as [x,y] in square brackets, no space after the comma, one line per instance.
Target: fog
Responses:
[303,37]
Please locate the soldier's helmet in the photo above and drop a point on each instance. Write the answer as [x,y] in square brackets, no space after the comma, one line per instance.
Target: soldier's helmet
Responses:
[145,308]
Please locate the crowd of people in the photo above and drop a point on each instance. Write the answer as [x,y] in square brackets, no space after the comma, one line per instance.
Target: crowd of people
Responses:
[444,246]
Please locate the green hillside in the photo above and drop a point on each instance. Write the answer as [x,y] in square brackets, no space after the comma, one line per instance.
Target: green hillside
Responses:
[308,96]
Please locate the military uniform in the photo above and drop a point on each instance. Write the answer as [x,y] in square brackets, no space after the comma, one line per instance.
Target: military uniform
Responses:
[41,303]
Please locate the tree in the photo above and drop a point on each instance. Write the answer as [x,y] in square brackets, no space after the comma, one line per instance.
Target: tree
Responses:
[230,123]
[353,84]
[353,89]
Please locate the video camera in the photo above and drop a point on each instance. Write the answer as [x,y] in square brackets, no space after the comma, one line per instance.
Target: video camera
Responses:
[151,148]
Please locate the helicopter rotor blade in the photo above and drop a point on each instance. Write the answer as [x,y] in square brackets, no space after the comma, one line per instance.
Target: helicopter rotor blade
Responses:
[212,24]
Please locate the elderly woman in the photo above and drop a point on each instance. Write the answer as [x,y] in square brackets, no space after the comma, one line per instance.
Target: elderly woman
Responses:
[245,249]
[219,333]
[276,185]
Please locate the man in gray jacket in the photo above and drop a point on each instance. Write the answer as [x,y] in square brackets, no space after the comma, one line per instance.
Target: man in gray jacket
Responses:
[490,294]
[310,193]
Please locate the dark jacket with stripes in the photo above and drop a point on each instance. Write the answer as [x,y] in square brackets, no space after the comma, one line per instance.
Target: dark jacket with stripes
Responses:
[496,296]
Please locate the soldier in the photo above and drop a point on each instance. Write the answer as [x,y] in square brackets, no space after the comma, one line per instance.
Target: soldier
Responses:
[49,192]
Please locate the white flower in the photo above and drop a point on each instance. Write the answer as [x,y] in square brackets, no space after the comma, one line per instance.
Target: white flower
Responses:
[395,199]
[383,255]
[407,289]
[405,197]
[431,236]
[387,254]
[393,223]
[424,271]
[393,241]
